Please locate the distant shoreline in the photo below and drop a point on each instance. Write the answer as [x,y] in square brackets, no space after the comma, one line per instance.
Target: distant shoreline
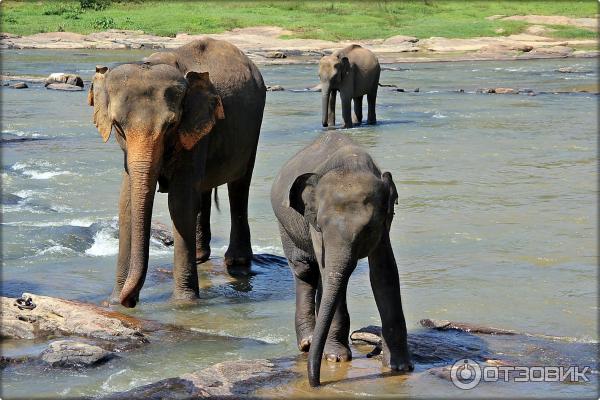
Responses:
[264,45]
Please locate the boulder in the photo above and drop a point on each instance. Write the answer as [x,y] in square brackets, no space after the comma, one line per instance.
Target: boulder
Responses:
[275,54]
[275,88]
[226,379]
[71,353]
[59,77]
[64,86]
[162,233]
[444,325]
[20,85]
[502,90]
[33,317]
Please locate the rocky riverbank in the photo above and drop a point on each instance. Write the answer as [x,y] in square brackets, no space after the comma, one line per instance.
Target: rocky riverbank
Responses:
[266,46]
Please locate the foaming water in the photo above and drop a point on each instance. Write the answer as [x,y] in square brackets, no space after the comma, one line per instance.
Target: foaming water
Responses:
[495,222]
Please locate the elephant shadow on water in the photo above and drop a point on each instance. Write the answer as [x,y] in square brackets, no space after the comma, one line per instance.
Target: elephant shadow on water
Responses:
[268,278]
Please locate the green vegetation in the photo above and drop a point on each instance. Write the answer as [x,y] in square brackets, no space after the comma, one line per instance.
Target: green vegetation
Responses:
[330,20]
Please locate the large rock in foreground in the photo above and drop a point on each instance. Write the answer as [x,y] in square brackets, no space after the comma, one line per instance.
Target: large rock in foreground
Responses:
[226,379]
[50,316]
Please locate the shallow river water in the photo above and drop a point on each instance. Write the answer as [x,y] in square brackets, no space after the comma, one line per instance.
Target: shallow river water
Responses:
[496,221]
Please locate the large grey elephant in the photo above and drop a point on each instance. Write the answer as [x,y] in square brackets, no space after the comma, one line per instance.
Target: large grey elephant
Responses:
[189,120]
[354,72]
[334,207]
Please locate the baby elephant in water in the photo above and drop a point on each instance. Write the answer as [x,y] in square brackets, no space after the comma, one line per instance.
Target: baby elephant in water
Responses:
[334,207]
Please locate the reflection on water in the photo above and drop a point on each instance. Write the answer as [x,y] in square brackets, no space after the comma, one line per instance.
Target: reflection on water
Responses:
[495,222]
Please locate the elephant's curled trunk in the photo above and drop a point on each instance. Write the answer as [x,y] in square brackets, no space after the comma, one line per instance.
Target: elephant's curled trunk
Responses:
[143,186]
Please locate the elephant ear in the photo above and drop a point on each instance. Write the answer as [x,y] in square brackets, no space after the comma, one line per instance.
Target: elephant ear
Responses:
[202,108]
[392,197]
[345,67]
[98,97]
[302,197]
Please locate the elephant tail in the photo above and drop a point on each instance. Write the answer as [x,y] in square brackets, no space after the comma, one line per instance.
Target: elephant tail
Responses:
[217,199]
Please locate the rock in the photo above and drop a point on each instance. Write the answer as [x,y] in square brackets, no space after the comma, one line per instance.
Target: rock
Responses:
[226,379]
[64,87]
[368,335]
[71,353]
[526,48]
[550,52]
[20,85]
[60,77]
[275,88]
[502,90]
[275,54]
[398,39]
[162,233]
[52,316]
[444,325]
[5,83]
[399,90]
[417,90]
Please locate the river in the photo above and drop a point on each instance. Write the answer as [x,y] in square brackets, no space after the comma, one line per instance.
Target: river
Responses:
[495,222]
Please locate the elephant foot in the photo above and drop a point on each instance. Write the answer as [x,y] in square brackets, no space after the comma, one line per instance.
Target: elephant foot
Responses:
[203,254]
[372,122]
[401,363]
[234,257]
[304,344]
[337,352]
[185,298]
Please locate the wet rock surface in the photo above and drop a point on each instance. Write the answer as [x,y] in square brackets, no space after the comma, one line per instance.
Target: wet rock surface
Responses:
[71,353]
[226,379]
[20,85]
[57,317]
[275,88]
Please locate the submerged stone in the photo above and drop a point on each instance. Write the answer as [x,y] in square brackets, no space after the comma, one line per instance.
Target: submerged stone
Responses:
[71,353]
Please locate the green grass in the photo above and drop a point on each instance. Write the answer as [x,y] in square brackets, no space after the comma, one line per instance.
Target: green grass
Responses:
[330,20]
[571,32]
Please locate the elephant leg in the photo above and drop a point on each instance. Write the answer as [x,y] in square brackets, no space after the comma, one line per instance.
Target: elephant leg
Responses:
[203,228]
[337,346]
[357,115]
[124,239]
[184,209]
[371,97]
[239,251]
[331,113]
[347,111]
[385,283]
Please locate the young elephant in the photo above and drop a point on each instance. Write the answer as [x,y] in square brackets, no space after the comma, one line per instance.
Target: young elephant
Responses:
[189,120]
[335,207]
[353,71]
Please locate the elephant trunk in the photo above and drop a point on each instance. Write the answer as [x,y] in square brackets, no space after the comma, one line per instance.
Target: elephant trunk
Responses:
[335,279]
[325,93]
[143,186]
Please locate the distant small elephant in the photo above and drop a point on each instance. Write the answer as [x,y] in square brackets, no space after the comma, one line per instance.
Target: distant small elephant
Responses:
[334,207]
[188,120]
[353,71]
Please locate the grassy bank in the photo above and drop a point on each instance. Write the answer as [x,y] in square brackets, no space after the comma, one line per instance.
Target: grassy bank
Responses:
[330,20]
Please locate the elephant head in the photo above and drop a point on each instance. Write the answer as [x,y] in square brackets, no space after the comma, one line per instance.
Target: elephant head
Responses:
[347,212]
[151,108]
[333,72]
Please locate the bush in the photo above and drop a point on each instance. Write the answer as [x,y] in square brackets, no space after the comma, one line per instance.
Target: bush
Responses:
[104,23]
[94,4]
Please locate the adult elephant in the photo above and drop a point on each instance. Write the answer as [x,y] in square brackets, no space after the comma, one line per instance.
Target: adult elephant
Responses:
[334,207]
[354,72]
[189,120]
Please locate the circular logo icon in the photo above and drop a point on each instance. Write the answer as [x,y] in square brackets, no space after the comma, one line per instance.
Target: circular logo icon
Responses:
[465,374]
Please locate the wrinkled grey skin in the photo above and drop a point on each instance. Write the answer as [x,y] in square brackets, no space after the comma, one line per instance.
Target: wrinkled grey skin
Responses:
[189,120]
[354,72]
[334,207]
